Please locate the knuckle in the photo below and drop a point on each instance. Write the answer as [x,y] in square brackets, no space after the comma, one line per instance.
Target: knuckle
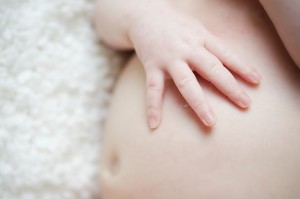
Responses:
[199,106]
[171,63]
[152,110]
[148,62]
[227,53]
[215,69]
[153,85]
[185,81]
[152,104]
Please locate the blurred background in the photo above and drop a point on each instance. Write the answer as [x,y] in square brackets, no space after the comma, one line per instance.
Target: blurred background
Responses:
[55,84]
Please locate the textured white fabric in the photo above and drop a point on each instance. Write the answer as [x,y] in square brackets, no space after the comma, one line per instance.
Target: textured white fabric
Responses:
[54,87]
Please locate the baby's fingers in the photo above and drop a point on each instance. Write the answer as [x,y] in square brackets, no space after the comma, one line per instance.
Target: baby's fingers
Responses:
[155,88]
[233,62]
[192,92]
[208,66]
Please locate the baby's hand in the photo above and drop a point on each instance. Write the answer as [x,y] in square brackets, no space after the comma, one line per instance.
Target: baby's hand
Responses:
[173,44]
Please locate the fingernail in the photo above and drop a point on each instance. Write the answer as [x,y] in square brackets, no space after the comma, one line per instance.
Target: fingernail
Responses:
[244,101]
[153,123]
[209,119]
[255,77]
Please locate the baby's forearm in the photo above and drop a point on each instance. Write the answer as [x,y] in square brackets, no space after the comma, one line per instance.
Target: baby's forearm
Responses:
[113,19]
[285,16]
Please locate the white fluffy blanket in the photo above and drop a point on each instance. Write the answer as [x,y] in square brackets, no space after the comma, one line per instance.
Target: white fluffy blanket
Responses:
[54,87]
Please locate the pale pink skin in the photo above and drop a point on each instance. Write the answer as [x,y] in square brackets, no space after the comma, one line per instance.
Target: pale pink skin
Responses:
[171,44]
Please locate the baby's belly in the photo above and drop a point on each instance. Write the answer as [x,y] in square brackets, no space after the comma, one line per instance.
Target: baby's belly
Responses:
[247,154]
